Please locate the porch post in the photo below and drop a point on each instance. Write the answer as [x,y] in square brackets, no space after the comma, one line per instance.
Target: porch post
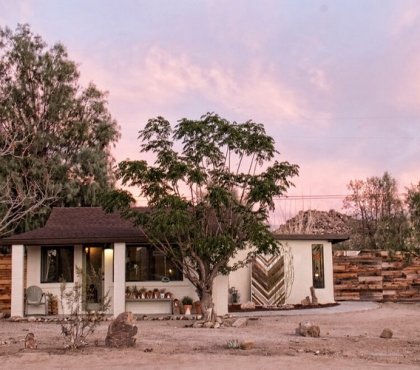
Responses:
[119,278]
[18,283]
[108,276]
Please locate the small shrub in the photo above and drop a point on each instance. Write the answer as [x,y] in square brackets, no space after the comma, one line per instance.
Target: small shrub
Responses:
[80,321]
[233,344]
[187,301]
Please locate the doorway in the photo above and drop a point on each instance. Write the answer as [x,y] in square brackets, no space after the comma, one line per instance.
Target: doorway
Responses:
[94,276]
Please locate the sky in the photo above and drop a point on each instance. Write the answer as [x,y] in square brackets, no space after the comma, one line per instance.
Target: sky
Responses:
[336,83]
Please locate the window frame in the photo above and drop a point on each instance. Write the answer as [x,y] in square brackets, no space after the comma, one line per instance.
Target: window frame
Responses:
[318,282]
[152,251]
[44,250]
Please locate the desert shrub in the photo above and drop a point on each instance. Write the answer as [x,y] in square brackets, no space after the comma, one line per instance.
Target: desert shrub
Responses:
[80,321]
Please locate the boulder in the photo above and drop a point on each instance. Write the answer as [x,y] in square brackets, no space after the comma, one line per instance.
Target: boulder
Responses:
[306,301]
[386,333]
[240,323]
[121,331]
[308,329]
[30,341]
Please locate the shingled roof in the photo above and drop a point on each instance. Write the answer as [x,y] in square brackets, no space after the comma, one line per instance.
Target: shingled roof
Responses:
[85,225]
[80,225]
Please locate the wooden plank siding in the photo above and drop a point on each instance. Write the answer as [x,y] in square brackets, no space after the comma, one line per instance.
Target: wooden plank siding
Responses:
[376,276]
[5,282]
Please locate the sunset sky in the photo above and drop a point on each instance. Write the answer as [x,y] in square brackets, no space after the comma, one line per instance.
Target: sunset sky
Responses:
[336,83]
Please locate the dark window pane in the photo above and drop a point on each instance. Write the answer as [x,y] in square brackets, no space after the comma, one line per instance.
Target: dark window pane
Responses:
[318,266]
[57,264]
[145,263]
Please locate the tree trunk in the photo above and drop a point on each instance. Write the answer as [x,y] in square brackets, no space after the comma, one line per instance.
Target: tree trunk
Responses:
[207,305]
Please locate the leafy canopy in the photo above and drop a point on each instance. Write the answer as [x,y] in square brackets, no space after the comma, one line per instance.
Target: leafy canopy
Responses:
[375,204]
[209,192]
[413,203]
[55,136]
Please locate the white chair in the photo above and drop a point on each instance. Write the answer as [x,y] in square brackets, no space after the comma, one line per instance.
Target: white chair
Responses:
[35,297]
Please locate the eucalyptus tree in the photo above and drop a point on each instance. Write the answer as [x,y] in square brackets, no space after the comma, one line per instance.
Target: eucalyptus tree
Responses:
[209,191]
[55,136]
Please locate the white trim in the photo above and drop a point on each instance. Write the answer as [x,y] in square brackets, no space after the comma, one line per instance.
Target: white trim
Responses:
[119,279]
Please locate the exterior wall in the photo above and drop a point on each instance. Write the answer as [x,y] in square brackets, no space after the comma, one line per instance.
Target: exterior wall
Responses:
[302,265]
[241,279]
[220,294]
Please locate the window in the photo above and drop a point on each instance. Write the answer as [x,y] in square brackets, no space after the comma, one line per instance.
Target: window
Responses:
[318,266]
[57,264]
[146,263]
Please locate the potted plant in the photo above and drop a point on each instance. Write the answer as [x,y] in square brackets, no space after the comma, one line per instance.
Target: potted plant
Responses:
[127,292]
[156,293]
[143,291]
[187,303]
[162,293]
[136,292]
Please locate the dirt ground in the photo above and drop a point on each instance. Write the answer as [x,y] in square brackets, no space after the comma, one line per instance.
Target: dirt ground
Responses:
[348,341]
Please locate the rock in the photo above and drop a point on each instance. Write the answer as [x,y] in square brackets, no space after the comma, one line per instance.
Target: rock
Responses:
[30,341]
[31,319]
[198,324]
[240,323]
[248,306]
[121,331]
[208,325]
[317,222]
[313,296]
[247,345]
[306,301]
[228,322]
[16,318]
[308,329]
[217,325]
[219,320]
[1,315]
[386,333]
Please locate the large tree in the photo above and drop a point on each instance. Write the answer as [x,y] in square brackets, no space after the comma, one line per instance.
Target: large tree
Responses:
[375,204]
[413,203]
[209,191]
[55,135]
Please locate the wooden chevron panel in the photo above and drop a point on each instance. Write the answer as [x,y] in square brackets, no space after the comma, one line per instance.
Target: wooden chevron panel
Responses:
[267,280]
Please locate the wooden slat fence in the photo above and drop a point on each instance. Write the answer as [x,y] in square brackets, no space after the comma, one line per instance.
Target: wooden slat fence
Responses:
[5,282]
[376,276]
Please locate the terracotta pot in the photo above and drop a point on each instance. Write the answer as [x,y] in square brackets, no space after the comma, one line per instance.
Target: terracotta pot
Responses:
[197,306]
[187,309]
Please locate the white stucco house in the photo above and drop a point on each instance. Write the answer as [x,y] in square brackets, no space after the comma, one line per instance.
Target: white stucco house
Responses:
[79,237]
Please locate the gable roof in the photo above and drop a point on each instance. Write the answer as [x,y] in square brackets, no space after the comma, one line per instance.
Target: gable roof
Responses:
[77,225]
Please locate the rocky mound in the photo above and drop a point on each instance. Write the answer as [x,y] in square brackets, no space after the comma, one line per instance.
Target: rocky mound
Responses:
[317,222]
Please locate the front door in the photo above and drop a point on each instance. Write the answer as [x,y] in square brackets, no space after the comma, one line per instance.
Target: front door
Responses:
[93,267]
